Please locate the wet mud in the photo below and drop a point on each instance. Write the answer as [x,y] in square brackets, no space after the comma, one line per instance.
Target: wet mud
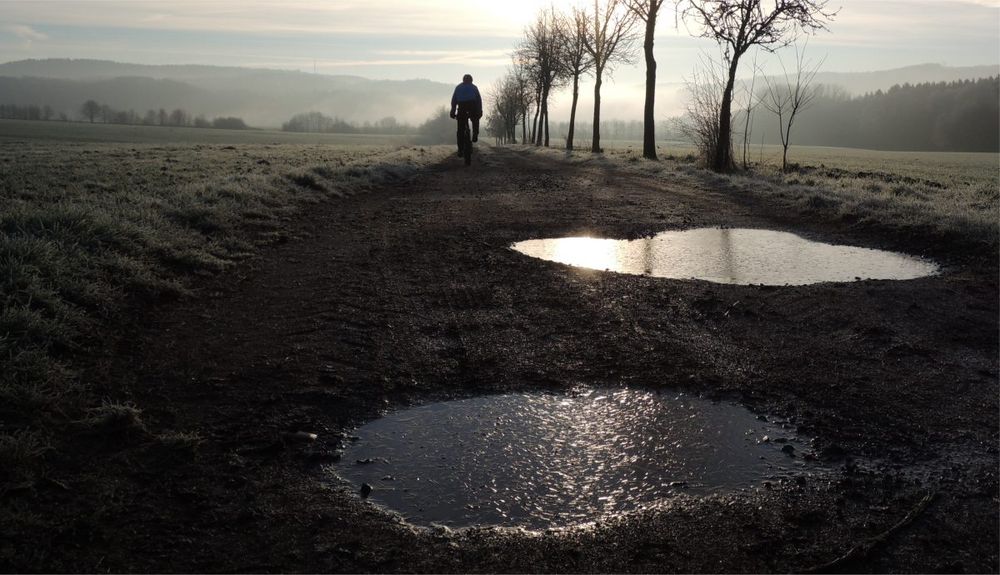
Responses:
[409,294]
[730,256]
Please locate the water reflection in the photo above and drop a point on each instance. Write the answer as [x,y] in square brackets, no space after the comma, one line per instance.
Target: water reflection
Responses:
[540,460]
[736,256]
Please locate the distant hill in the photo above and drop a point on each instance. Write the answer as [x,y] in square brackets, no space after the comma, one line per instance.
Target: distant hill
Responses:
[267,98]
[860,83]
[261,97]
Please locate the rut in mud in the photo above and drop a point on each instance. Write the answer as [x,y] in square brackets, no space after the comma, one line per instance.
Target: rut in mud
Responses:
[410,293]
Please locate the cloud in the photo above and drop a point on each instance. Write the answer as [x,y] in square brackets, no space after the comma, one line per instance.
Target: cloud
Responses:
[25,33]
[319,17]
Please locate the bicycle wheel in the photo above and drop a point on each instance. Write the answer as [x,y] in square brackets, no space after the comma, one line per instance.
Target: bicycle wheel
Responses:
[467,146]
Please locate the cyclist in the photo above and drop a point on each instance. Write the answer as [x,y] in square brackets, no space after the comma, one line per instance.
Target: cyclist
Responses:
[466,103]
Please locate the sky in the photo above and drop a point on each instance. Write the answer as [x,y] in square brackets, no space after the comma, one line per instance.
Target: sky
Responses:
[442,39]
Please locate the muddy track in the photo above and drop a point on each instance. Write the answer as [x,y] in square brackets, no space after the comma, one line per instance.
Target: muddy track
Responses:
[408,294]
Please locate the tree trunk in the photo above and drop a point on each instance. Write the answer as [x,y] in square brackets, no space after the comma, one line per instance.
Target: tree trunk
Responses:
[534,124]
[546,128]
[723,161]
[786,139]
[543,125]
[746,132]
[524,125]
[648,118]
[572,112]
[595,145]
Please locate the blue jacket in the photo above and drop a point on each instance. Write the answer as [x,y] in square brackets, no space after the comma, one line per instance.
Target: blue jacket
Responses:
[467,92]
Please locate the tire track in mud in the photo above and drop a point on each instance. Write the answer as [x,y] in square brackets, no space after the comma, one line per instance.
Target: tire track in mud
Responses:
[408,293]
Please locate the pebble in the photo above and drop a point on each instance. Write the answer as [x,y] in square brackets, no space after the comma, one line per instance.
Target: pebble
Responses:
[300,437]
[365,490]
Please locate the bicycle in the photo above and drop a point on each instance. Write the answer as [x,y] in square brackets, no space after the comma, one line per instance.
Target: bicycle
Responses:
[466,139]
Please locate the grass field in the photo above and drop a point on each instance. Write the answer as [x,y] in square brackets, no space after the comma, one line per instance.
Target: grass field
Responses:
[96,219]
[16,130]
[951,195]
[90,228]
[946,168]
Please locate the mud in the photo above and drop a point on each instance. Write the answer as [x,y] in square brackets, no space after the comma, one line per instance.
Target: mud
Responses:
[408,294]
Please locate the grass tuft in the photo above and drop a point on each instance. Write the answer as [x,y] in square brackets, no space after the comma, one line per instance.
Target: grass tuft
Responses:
[115,420]
[20,455]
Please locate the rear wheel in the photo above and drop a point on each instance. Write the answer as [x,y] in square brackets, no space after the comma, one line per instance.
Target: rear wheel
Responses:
[467,147]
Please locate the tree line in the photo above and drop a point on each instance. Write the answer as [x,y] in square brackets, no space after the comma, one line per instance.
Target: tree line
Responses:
[944,116]
[31,112]
[559,48]
[317,122]
[94,112]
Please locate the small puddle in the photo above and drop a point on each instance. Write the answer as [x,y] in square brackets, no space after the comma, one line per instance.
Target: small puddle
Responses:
[546,461]
[732,256]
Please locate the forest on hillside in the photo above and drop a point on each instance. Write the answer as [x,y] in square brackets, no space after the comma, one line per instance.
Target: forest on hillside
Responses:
[959,116]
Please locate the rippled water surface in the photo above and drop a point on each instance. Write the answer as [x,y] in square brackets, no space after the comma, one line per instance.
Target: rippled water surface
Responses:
[538,461]
[735,256]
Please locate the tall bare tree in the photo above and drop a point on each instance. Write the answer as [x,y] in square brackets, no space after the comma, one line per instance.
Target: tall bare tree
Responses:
[576,59]
[505,111]
[90,110]
[610,41]
[701,121]
[737,26]
[522,83]
[789,97]
[750,105]
[543,49]
[647,11]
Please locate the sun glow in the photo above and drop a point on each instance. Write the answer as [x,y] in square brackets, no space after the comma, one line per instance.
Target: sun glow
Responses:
[516,14]
[593,253]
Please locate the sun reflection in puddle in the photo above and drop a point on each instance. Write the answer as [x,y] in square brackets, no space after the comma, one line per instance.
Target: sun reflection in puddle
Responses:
[540,460]
[734,256]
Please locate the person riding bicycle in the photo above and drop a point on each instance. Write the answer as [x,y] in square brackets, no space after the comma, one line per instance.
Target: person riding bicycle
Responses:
[466,103]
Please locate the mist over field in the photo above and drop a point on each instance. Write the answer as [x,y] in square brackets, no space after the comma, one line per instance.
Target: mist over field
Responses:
[267,98]
[263,98]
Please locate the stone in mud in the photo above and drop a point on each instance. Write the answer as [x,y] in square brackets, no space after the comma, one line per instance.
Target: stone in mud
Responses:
[366,490]
[300,437]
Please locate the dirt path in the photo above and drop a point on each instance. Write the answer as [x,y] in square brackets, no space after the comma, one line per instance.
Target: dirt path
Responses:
[408,294]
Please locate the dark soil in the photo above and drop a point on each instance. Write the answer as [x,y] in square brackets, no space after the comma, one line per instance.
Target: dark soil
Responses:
[409,293]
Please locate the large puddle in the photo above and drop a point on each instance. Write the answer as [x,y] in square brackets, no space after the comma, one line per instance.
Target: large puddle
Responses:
[732,256]
[545,461]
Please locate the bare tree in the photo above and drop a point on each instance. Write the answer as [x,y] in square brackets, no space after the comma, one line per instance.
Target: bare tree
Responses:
[609,42]
[90,110]
[751,105]
[543,48]
[178,117]
[505,109]
[576,59]
[786,99]
[701,121]
[647,11]
[521,86]
[737,26]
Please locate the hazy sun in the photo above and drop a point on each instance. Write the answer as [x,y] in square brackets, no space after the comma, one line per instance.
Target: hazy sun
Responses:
[520,13]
